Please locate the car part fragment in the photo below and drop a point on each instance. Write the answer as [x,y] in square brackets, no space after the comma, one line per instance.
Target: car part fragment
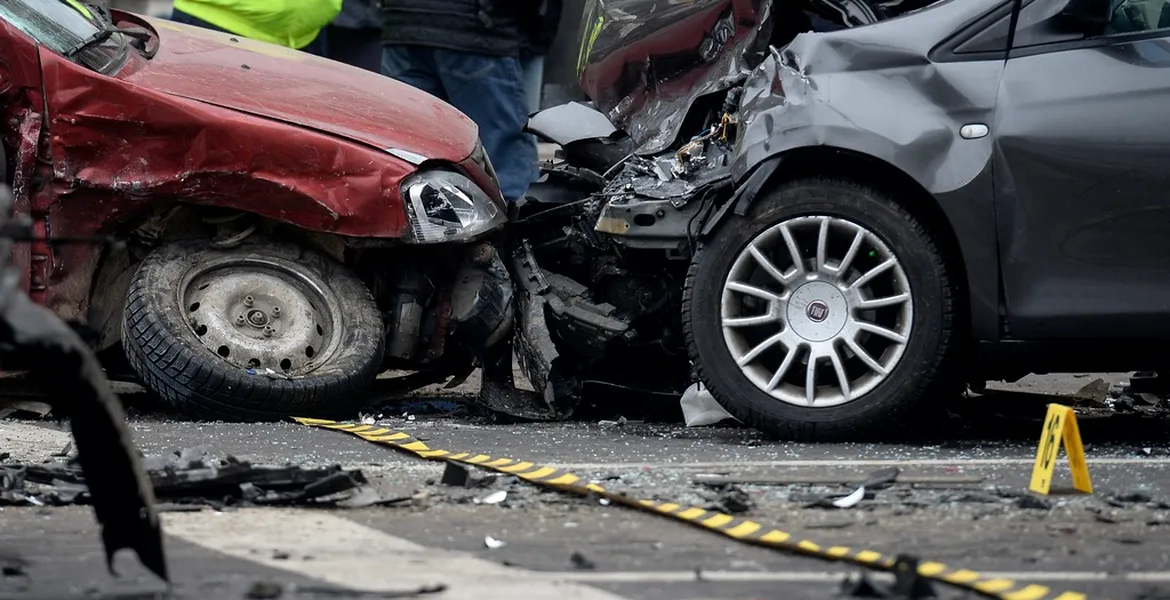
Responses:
[34,339]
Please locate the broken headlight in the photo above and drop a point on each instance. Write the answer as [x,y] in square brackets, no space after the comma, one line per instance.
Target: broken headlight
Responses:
[444,206]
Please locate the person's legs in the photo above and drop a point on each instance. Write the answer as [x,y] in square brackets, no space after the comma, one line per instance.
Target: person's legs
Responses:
[413,65]
[533,67]
[490,90]
[358,47]
[179,16]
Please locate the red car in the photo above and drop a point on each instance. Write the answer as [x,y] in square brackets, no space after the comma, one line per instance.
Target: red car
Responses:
[292,226]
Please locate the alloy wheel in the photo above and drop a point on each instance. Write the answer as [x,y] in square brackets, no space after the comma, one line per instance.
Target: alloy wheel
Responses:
[816,311]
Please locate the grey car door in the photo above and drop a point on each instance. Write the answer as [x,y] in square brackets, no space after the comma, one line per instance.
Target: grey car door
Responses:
[1082,174]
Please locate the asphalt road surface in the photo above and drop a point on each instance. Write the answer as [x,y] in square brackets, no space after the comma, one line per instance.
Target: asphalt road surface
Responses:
[1108,545]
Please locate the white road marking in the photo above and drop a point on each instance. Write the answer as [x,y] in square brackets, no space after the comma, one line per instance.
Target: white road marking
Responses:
[831,576]
[910,462]
[347,554]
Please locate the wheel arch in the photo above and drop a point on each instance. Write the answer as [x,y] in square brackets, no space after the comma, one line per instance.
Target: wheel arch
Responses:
[117,263]
[967,265]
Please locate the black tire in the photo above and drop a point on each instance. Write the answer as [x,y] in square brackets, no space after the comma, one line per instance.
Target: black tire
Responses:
[167,354]
[920,374]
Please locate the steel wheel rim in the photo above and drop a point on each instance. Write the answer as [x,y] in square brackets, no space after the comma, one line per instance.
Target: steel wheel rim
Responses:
[821,294]
[260,315]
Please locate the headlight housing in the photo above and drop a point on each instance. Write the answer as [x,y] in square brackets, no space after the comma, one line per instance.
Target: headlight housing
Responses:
[444,207]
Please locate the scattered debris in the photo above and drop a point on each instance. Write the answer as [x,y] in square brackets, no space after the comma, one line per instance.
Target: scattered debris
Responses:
[264,590]
[1028,501]
[12,566]
[460,476]
[1132,497]
[732,500]
[862,587]
[907,584]
[582,562]
[492,543]
[882,478]
[64,452]
[700,408]
[493,498]
[1096,390]
[189,479]
[851,500]
[878,480]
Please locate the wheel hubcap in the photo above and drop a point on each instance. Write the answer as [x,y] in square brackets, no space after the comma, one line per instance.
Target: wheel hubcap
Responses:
[816,311]
[261,316]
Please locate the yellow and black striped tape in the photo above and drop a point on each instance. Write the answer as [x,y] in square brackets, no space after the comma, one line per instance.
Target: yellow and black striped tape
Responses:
[740,529]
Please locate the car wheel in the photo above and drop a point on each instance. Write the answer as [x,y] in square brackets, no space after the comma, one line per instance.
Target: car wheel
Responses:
[258,332]
[825,313]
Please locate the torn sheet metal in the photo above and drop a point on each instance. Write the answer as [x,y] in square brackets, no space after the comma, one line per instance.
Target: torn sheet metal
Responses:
[644,62]
[872,90]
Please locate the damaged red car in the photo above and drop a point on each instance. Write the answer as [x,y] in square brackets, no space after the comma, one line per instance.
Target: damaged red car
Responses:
[292,226]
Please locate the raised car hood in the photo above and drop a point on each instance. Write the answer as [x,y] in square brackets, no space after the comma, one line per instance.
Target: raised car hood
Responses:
[296,87]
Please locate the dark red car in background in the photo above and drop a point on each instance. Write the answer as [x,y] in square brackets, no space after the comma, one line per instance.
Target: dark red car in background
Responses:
[293,225]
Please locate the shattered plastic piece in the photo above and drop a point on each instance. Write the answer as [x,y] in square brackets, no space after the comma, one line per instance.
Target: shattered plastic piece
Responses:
[582,562]
[366,496]
[851,500]
[455,475]
[863,587]
[882,478]
[1029,501]
[732,500]
[700,408]
[492,543]
[908,583]
[264,590]
[494,497]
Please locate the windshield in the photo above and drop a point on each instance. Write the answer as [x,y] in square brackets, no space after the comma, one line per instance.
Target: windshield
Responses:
[63,25]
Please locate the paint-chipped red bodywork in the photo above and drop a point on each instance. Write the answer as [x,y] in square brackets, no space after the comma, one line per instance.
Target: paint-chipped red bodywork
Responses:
[212,120]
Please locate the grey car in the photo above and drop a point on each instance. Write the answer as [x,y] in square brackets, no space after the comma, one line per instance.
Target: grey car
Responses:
[836,212]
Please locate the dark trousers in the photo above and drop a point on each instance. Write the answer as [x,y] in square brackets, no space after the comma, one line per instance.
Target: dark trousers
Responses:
[489,90]
[317,46]
[358,47]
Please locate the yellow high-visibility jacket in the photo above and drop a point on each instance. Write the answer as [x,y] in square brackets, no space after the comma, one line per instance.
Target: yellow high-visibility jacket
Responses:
[292,23]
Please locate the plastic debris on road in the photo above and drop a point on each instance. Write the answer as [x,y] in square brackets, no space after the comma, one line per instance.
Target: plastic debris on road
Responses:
[700,408]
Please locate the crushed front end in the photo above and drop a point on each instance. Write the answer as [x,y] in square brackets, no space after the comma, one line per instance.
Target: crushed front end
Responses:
[643,173]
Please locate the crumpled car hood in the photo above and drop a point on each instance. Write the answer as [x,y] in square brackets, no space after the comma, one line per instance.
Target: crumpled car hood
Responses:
[298,88]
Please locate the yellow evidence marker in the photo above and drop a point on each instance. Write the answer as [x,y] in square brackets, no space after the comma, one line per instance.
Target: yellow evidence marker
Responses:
[1060,424]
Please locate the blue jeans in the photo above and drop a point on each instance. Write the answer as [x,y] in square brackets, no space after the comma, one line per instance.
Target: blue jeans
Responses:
[317,46]
[489,90]
[533,66]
